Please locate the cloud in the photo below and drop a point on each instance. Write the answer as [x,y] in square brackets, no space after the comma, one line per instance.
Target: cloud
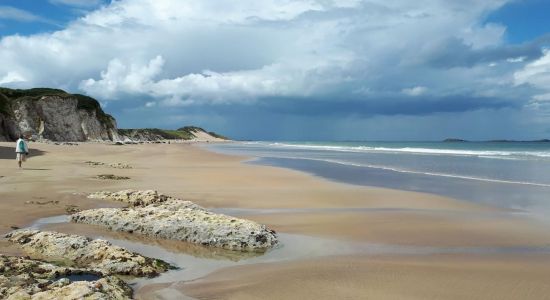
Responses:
[415,91]
[120,78]
[516,59]
[536,74]
[12,77]
[542,97]
[15,14]
[77,3]
[302,57]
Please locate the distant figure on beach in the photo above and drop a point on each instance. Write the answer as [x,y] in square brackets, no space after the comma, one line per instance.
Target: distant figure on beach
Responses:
[21,149]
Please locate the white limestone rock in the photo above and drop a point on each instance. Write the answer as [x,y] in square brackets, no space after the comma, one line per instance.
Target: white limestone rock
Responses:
[143,198]
[162,216]
[98,255]
[22,278]
[58,118]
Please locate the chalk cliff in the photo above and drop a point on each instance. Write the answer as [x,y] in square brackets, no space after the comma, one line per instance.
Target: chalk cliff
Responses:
[53,115]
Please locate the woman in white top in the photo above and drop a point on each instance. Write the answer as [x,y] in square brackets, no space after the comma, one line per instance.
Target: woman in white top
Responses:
[22,150]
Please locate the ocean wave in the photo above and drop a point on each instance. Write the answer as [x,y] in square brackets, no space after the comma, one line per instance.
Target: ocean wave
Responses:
[491,154]
[400,170]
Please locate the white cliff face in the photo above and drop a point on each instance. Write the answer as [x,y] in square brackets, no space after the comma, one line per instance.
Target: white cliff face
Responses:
[59,119]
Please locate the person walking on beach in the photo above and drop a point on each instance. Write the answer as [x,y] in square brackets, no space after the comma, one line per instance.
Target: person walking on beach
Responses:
[21,149]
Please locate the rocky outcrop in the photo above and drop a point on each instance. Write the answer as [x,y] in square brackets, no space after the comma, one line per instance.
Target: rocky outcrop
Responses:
[59,119]
[8,128]
[170,218]
[54,115]
[97,255]
[143,198]
[22,278]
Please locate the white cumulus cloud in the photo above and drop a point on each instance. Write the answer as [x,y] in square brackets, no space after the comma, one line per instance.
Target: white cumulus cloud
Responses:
[211,51]
[536,74]
[12,77]
[415,91]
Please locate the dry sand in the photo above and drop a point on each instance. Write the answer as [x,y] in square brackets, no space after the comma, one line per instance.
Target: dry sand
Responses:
[312,206]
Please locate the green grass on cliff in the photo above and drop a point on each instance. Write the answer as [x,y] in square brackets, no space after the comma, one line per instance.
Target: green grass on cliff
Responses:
[163,133]
[7,96]
[218,135]
[184,133]
[5,108]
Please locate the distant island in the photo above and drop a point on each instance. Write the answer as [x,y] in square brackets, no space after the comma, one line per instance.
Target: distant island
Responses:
[454,140]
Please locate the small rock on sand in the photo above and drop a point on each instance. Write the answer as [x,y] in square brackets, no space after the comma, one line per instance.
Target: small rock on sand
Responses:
[117,165]
[111,177]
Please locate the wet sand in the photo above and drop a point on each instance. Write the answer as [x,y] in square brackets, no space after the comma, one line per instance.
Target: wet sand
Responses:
[382,277]
[303,205]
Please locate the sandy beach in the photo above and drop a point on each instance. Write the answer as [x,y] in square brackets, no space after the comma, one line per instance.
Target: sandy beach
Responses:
[384,244]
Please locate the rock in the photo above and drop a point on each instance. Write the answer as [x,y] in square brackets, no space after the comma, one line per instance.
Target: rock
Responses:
[142,198]
[158,215]
[98,255]
[71,209]
[105,288]
[65,144]
[42,202]
[117,165]
[111,177]
[120,166]
[23,278]
[94,163]
[54,115]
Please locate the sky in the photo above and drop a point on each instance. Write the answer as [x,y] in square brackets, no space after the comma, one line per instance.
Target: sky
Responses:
[293,69]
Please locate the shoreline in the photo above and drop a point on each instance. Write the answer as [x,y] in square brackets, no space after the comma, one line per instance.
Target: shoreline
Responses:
[521,196]
[220,181]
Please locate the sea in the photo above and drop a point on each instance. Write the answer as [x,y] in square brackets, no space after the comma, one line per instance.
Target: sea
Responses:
[510,175]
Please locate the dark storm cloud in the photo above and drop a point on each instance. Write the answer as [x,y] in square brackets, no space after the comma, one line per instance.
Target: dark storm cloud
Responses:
[382,106]
[455,53]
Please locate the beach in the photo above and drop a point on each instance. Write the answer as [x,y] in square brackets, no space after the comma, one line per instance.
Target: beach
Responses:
[341,240]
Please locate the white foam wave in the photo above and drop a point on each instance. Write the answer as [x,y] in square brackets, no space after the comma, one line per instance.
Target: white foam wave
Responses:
[492,154]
